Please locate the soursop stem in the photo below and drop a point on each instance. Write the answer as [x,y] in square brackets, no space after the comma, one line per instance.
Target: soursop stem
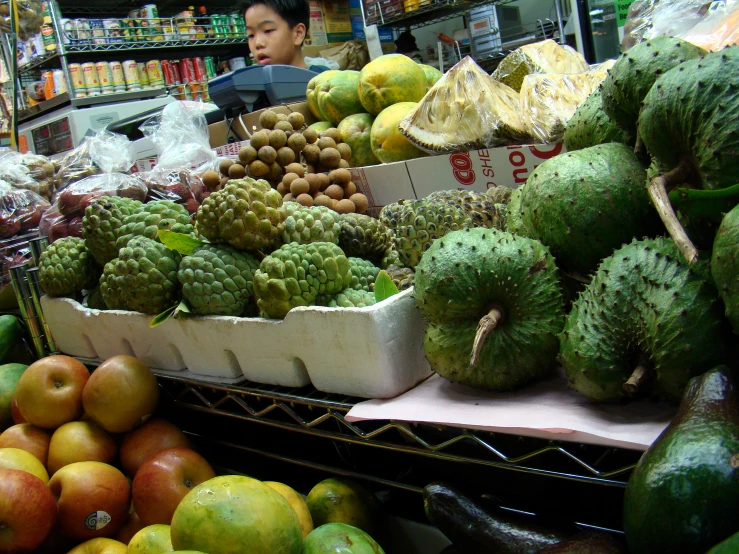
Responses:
[486,326]
[658,193]
[642,373]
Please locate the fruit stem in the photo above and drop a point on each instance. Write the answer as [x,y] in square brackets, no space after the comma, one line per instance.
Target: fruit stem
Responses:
[642,373]
[658,193]
[486,326]
[640,150]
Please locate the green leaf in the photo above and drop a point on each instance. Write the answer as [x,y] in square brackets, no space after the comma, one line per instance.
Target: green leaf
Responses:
[182,308]
[183,244]
[162,317]
[710,204]
[384,287]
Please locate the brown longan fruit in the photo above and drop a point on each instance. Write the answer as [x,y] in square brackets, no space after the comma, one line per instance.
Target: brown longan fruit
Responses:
[349,189]
[236,171]
[281,117]
[258,169]
[344,164]
[284,126]
[288,197]
[310,169]
[314,181]
[340,176]
[326,142]
[345,150]
[211,179]
[275,172]
[311,135]
[277,139]
[330,158]
[297,120]
[282,189]
[335,192]
[332,133]
[259,139]
[295,168]
[322,200]
[324,181]
[334,202]
[289,178]
[267,154]
[297,142]
[285,156]
[305,199]
[311,153]
[345,206]
[299,186]
[247,155]
[224,182]
[360,201]
[224,165]
[267,119]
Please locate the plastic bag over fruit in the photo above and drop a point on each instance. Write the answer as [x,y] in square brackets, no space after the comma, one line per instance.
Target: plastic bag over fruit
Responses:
[465,110]
[76,165]
[14,172]
[30,18]
[20,211]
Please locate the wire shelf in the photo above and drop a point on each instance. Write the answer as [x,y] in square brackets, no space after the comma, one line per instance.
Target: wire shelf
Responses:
[441,10]
[39,63]
[154,45]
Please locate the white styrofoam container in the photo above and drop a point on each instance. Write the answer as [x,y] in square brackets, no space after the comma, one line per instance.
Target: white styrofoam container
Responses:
[373,352]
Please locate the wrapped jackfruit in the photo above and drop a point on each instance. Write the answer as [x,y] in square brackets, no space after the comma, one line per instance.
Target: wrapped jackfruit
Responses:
[465,110]
[540,57]
[549,101]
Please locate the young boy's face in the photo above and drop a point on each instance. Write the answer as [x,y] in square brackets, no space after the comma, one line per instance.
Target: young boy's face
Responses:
[271,39]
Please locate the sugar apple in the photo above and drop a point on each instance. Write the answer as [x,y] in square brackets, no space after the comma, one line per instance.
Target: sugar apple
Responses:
[494,307]
[402,277]
[350,298]
[364,237]
[499,193]
[391,257]
[364,273]
[102,222]
[217,280]
[143,278]
[420,223]
[309,224]
[389,214]
[478,206]
[95,299]
[296,274]
[66,268]
[246,214]
[152,217]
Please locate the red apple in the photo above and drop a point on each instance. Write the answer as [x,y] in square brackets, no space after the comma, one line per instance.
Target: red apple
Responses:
[27,511]
[80,441]
[143,442]
[93,500]
[29,438]
[15,412]
[49,392]
[163,481]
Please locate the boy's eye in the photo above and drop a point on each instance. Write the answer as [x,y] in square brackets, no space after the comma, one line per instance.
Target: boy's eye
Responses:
[249,37]
[268,31]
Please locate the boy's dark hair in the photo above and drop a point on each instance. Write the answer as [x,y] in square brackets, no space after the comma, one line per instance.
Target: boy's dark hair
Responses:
[292,11]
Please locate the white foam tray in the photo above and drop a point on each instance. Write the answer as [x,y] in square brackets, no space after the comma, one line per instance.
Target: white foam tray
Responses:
[373,352]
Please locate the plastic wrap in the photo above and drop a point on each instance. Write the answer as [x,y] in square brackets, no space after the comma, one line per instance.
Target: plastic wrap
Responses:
[30,18]
[20,211]
[183,187]
[540,57]
[549,101]
[465,110]
[718,29]
[75,166]
[14,172]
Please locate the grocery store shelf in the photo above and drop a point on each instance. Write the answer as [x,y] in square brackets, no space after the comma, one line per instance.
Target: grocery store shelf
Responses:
[152,45]
[122,7]
[116,98]
[43,107]
[435,12]
[39,63]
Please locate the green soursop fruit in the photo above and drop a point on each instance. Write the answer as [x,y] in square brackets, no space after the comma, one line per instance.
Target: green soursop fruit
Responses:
[350,298]
[246,214]
[646,323]
[402,277]
[725,265]
[296,274]
[420,223]
[364,273]
[365,237]
[66,267]
[143,278]
[499,193]
[690,126]
[585,204]
[590,126]
[634,73]
[513,216]
[217,280]
[494,308]
[102,222]
[478,206]
[158,215]
[309,224]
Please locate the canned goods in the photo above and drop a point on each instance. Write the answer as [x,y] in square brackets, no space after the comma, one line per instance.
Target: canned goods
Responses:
[176,72]
[238,25]
[83,30]
[201,76]
[60,82]
[37,46]
[128,30]
[67,30]
[169,31]
[113,31]
[210,67]
[167,73]
[98,31]
[48,37]
[155,29]
[237,63]
[143,75]
[92,82]
[187,71]
[119,79]
[154,72]
[47,84]
[131,75]
[77,80]
[149,11]
[105,76]
[133,14]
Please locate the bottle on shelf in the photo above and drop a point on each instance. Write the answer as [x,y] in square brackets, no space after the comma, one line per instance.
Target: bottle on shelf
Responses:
[203,26]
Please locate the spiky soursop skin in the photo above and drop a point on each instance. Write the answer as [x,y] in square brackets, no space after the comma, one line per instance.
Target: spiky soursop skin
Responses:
[509,284]
[420,223]
[364,237]
[584,204]
[246,214]
[364,273]
[102,222]
[143,278]
[477,205]
[644,308]
[725,265]
[296,274]
[66,267]
[349,298]
[309,224]
[217,280]
[158,215]
[634,73]
[591,125]
[500,194]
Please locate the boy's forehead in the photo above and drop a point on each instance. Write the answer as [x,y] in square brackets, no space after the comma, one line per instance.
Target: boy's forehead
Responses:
[260,13]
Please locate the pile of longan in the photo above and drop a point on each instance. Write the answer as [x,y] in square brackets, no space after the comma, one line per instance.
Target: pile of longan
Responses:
[335,190]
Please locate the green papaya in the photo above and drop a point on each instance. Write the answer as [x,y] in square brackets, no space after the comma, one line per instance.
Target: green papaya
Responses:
[729,546]
[342,501]
[10,374]
[11,332]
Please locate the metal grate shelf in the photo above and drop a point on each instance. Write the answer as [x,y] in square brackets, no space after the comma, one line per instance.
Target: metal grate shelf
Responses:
[39,63]
[441,10]
[154,45]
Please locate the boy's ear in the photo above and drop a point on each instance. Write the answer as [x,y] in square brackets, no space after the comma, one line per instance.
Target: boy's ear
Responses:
[299,34]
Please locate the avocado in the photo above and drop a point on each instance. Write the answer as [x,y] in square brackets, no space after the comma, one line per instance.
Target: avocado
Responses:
[729,546]
[477,530]
[683,496]
[588,542]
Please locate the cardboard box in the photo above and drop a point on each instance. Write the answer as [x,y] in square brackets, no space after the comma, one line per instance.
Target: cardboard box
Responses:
[329,22]
[355,11]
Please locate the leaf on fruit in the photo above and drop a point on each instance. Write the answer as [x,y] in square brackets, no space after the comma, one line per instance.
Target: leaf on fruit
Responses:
[162,317]
[384,287]
[182,309]
[181,243]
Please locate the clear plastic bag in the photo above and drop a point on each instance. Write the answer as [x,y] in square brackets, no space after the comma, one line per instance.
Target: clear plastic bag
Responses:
[30,18]
[15,173]
[465,110]
[183,187]
[56,226]
[75,166]
[718,29]
[20,211]
[73,200]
